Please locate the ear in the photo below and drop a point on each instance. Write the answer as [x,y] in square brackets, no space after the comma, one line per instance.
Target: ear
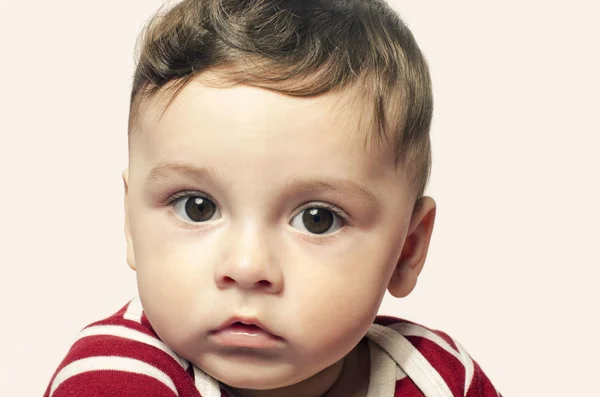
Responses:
[130,253]
[415,249]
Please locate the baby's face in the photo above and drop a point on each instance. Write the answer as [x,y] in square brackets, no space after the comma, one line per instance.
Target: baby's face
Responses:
[247,205]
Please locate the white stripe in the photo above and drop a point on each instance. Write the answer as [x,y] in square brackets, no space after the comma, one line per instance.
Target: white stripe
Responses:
[382,379]
[207,386]
[462,355]
[468,363]
[132,334]
[416,366]
[134,310]
[416,330]
[400,374]
[113,364]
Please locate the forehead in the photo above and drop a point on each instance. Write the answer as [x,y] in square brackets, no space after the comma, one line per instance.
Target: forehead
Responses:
[261,129]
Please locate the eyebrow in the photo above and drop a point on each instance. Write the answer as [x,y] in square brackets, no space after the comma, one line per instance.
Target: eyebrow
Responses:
[346,187]
[169,169]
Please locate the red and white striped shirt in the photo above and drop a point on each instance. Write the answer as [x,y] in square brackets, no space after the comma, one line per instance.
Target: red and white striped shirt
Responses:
[123,356]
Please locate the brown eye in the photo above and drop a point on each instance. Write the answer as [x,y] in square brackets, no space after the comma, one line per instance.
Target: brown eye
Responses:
[195,209]
[317,220]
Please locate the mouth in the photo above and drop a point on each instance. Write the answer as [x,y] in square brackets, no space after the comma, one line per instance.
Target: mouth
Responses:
[246,333]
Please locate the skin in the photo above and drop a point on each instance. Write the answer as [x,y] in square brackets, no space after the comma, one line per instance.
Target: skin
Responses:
[256,257]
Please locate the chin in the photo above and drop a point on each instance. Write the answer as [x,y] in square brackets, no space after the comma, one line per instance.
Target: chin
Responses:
[253,377]
[253,381]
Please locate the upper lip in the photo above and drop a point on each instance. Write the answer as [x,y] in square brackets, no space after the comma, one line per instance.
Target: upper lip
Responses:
[246,321]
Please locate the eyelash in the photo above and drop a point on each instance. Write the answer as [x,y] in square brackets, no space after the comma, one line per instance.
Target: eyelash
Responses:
[185,194]
[327,206]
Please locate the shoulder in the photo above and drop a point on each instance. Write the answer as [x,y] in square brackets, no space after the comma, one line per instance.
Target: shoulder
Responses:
[120,355]
[437,357]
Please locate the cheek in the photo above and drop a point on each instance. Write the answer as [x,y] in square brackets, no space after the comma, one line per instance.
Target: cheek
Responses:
[166,273]
[170,262]
[173,305]
[335,307]
[172,281]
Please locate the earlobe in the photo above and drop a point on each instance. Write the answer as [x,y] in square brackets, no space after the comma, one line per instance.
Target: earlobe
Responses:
[130,252]
[414,251]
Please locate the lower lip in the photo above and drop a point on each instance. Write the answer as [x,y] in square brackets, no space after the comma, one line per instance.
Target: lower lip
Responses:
[248,336]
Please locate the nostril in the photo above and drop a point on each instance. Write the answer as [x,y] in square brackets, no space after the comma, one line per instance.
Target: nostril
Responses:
[229,281]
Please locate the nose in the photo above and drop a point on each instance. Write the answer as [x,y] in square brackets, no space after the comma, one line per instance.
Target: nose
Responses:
[248,263]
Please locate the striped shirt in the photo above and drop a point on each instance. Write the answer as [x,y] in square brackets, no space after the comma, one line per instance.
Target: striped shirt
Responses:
[123,356]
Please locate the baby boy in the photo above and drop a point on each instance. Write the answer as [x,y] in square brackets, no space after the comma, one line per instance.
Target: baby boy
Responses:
[278,155]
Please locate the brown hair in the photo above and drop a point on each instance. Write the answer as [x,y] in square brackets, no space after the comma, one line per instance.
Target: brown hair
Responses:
[299,48]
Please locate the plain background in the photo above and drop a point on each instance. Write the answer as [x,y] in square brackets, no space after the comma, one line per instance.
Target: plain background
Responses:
[513,267]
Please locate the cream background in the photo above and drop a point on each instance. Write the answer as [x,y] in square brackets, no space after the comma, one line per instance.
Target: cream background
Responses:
[513,268]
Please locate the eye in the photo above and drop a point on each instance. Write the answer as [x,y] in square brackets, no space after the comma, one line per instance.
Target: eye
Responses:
[318,220]
[195,208]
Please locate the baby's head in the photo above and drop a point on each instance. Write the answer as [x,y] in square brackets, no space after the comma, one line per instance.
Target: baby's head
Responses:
[278,154]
